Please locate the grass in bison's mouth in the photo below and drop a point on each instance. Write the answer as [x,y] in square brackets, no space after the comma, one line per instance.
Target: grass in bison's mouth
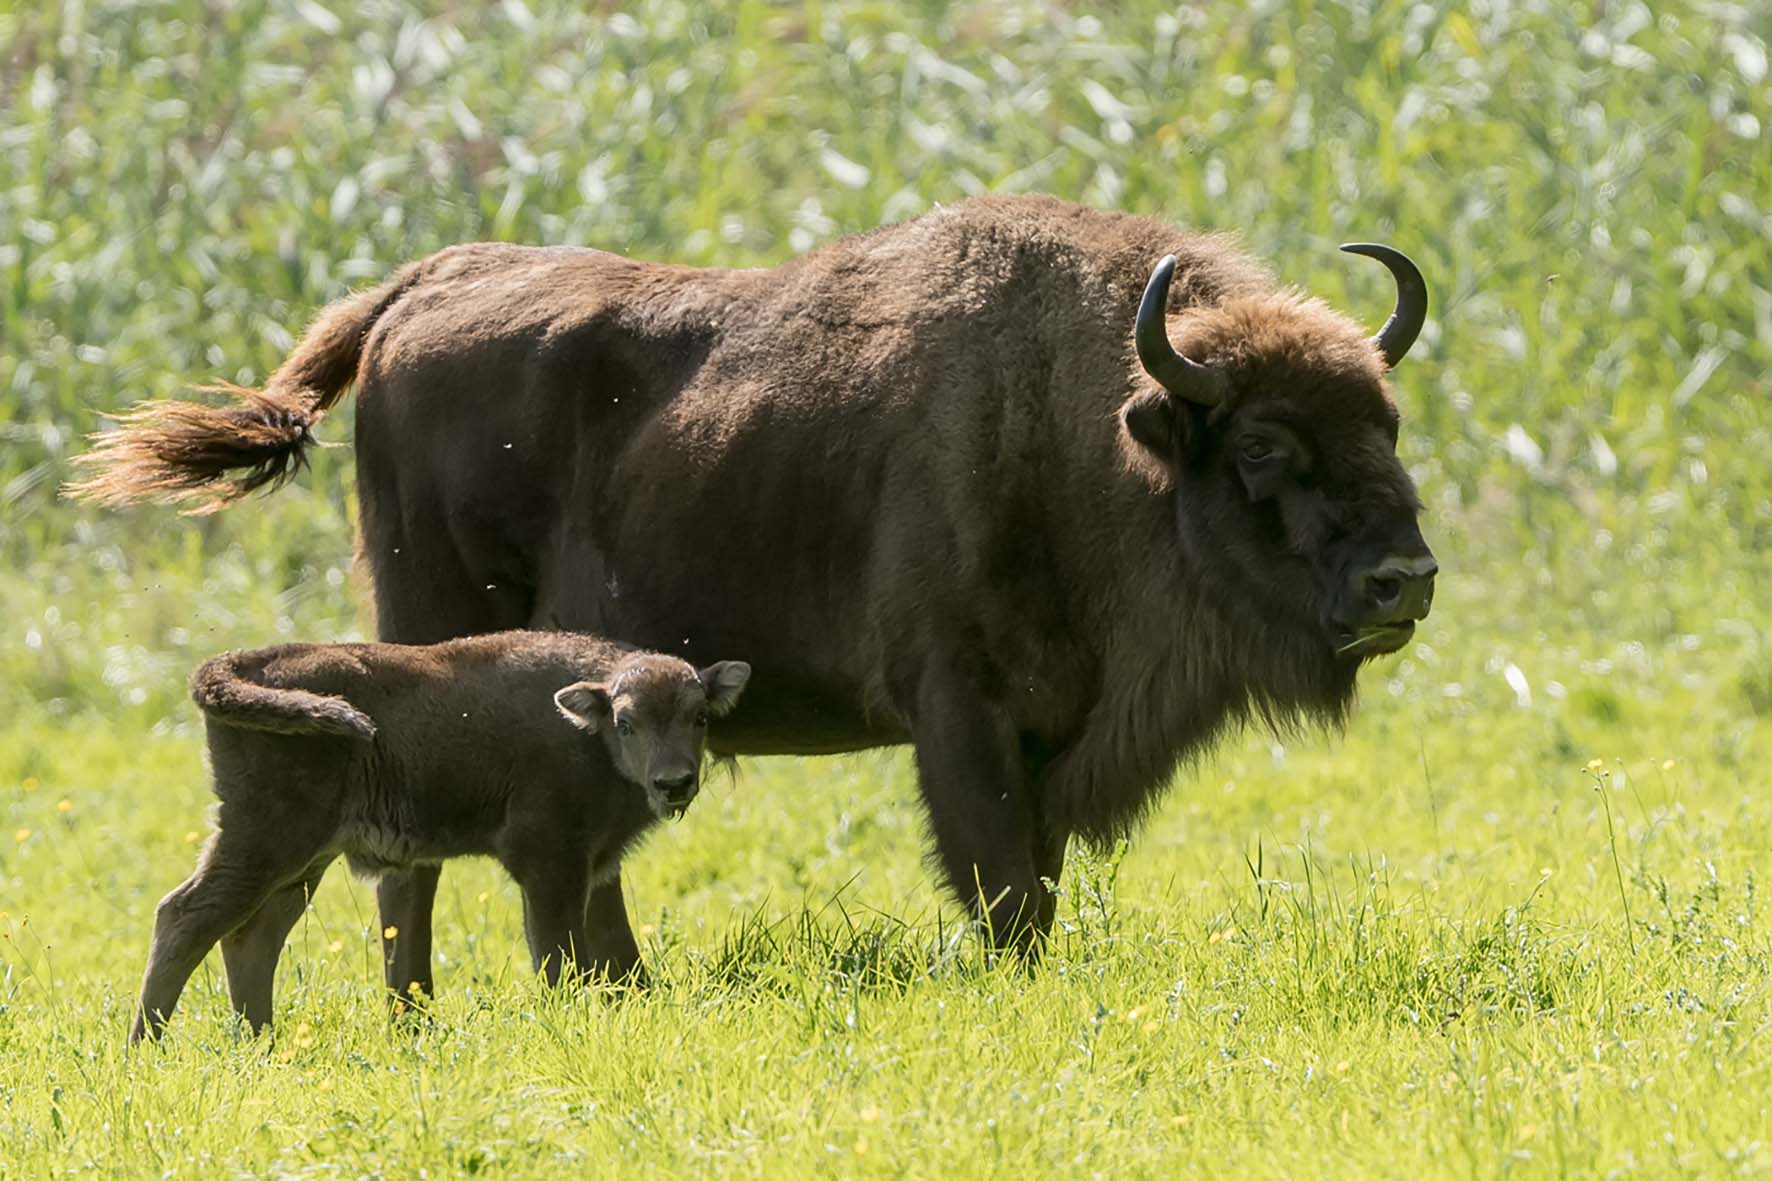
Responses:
[1376,641]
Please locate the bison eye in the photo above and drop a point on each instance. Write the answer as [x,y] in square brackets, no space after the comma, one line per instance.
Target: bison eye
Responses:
[1256,451]
[624,727]
[701,719]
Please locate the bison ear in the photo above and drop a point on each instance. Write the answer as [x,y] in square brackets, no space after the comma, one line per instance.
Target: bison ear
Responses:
[585,705]
[724,682]
[1150,419]
[1159,426]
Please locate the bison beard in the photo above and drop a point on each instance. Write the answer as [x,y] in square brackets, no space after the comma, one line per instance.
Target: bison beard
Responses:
[919,478]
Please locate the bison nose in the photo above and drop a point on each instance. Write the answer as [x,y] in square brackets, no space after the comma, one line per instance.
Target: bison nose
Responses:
[676,788]
[1399,588]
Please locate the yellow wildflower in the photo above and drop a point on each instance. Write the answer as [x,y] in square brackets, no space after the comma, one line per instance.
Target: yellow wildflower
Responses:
[389,931]
[64,805]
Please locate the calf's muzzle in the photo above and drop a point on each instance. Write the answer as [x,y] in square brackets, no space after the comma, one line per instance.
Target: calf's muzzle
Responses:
[677,789]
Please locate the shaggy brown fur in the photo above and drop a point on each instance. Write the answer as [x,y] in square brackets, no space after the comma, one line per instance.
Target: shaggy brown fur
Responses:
[959,511]
[552,752]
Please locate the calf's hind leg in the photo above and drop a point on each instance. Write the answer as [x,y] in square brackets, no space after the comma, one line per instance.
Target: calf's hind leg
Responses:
[224,892]
[250,951]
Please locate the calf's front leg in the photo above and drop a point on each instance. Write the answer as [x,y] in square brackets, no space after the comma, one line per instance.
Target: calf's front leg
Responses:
[555,896]
[611,951]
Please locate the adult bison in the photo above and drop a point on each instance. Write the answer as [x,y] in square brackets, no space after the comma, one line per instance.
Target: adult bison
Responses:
[950,482]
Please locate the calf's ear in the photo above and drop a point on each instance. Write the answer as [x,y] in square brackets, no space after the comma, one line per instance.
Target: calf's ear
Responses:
[723,683]
[585,705]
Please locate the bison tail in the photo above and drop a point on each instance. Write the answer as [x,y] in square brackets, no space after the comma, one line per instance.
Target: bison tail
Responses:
[223,690]
[207,455]
[173,452]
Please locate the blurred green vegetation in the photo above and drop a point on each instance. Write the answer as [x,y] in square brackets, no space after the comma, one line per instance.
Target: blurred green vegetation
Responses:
[1588,188]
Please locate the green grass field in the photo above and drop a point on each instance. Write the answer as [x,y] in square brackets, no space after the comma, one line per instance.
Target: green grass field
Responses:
[1510,922]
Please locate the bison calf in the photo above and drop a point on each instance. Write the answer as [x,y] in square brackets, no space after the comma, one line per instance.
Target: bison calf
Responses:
[396,756]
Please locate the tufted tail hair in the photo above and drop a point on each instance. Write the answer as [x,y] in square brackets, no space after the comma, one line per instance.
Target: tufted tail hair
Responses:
[205,455]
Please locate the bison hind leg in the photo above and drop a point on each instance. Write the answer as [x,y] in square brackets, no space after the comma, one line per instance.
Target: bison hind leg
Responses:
[426,590]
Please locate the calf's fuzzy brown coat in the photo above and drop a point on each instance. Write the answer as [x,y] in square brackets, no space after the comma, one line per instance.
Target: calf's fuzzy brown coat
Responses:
[550,751]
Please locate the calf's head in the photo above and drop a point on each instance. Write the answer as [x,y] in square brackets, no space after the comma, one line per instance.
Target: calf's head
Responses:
[652,713]
[1271,425]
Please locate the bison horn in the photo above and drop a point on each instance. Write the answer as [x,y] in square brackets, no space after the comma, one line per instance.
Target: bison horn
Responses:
[1183,378]
[1400,331]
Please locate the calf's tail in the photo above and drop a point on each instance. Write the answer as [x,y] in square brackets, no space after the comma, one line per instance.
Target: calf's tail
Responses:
[206,455]
[223,689]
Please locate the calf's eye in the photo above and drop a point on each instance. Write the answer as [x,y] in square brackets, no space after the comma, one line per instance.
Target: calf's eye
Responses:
[701,719]
[624,728]
[1256,451]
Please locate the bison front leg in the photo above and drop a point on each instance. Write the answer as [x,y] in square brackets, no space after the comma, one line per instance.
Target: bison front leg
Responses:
[1049,852]
[975,786]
